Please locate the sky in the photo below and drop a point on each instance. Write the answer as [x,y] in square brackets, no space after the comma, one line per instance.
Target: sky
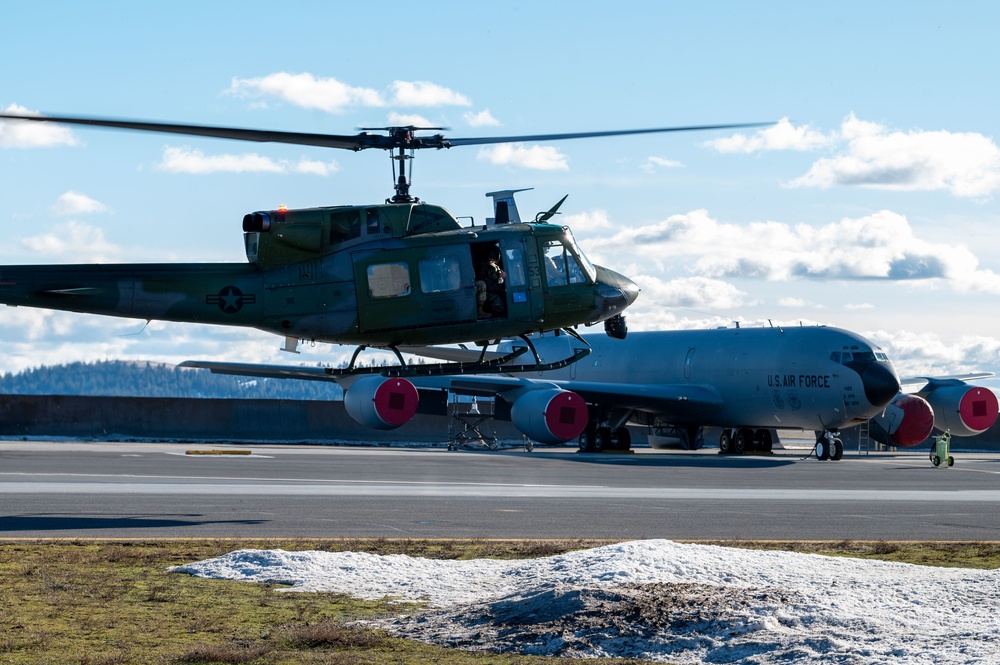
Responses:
[870,205]
[662,601]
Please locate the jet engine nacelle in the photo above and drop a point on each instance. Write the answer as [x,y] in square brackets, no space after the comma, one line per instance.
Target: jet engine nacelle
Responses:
[550,416]
[381,403]
[964,410]
[907,421]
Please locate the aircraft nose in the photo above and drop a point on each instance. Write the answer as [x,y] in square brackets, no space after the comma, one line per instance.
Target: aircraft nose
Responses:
[616,291]
[881,384]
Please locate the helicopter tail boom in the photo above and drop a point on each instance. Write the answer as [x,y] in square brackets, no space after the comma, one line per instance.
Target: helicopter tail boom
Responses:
[222,293]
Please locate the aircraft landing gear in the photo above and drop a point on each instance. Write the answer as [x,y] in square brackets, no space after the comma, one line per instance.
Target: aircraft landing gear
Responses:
[829,446]
[737,441]
[595,439]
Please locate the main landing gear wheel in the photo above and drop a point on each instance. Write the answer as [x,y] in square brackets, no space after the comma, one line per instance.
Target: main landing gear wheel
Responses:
[829,447]
[725,442]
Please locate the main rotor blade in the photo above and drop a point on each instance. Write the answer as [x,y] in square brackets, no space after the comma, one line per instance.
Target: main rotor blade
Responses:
[400,137]
[587,135]
[356,142]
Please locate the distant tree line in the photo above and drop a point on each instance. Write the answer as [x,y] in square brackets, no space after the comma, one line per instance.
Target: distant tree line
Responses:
[146,379]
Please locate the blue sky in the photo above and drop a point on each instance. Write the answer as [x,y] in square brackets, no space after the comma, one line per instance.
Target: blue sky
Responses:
[872,205]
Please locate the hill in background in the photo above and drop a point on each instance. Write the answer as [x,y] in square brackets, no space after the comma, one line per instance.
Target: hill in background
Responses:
[148,379]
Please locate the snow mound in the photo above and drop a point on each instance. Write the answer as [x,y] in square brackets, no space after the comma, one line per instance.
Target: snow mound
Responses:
[661,600]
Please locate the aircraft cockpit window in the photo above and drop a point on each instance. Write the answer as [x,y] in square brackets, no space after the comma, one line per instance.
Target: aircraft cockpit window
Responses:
[439,274]
[555,263]
[857,355]
[563,264]
[514,261]
[345,225]
[388,280]
[584,262]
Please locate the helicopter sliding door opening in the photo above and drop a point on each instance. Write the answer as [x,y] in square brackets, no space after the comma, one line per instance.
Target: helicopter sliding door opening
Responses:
[491,281]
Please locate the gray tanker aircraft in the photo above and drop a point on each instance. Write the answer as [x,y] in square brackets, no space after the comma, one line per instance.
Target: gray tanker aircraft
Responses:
[744,380]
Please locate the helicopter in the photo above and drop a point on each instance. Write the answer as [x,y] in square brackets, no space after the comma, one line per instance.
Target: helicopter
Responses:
[402,272]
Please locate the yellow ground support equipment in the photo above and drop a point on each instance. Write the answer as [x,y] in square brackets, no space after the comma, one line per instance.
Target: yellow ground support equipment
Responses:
[941,451]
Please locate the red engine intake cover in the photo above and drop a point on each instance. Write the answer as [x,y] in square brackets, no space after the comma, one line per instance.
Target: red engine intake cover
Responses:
[978,409]
[917,423]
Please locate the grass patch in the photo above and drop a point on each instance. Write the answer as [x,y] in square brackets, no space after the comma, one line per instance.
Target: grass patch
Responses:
[113,602]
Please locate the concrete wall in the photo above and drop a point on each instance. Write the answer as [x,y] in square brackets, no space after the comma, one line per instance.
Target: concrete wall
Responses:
[213,419]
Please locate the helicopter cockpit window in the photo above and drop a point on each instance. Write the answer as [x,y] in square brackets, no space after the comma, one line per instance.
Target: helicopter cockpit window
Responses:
[345,225]
[388,280]
[563,265]
[439,274]
[584,262]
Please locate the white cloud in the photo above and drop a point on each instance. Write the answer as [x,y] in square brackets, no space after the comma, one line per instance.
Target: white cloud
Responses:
[29,134]
[878,246]
[963,163]
[653,163]
[333,96]
[188,160]
[538,157]
[870,155]
[781,136]
[792,302]
[74,203]
[424,93]
[409,119]
[690,292]
[585,222]
[482,119]
[927,354]
[73,241]
[307,91]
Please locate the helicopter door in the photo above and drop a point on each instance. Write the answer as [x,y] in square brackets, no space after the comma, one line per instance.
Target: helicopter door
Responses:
[414,288]
[518,287]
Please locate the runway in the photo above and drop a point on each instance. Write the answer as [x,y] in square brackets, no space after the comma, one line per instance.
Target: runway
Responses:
[143,490]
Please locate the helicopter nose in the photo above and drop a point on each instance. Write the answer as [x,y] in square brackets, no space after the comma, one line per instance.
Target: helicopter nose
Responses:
[615,291]
[880,383]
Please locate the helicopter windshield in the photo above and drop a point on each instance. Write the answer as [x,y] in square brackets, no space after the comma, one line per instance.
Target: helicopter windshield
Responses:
[566,264]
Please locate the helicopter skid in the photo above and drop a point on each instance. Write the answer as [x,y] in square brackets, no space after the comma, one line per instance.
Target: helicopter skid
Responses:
[493,366]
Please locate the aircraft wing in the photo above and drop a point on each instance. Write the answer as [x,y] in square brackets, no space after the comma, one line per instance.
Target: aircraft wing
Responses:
[928,382]
[263,371]
[670,400]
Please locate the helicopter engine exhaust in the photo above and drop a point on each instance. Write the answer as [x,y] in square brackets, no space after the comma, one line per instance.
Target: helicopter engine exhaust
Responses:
[550,416]
[381,403]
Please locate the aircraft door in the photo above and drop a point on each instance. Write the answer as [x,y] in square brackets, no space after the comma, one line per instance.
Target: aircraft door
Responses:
[412,288]
[515,264]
